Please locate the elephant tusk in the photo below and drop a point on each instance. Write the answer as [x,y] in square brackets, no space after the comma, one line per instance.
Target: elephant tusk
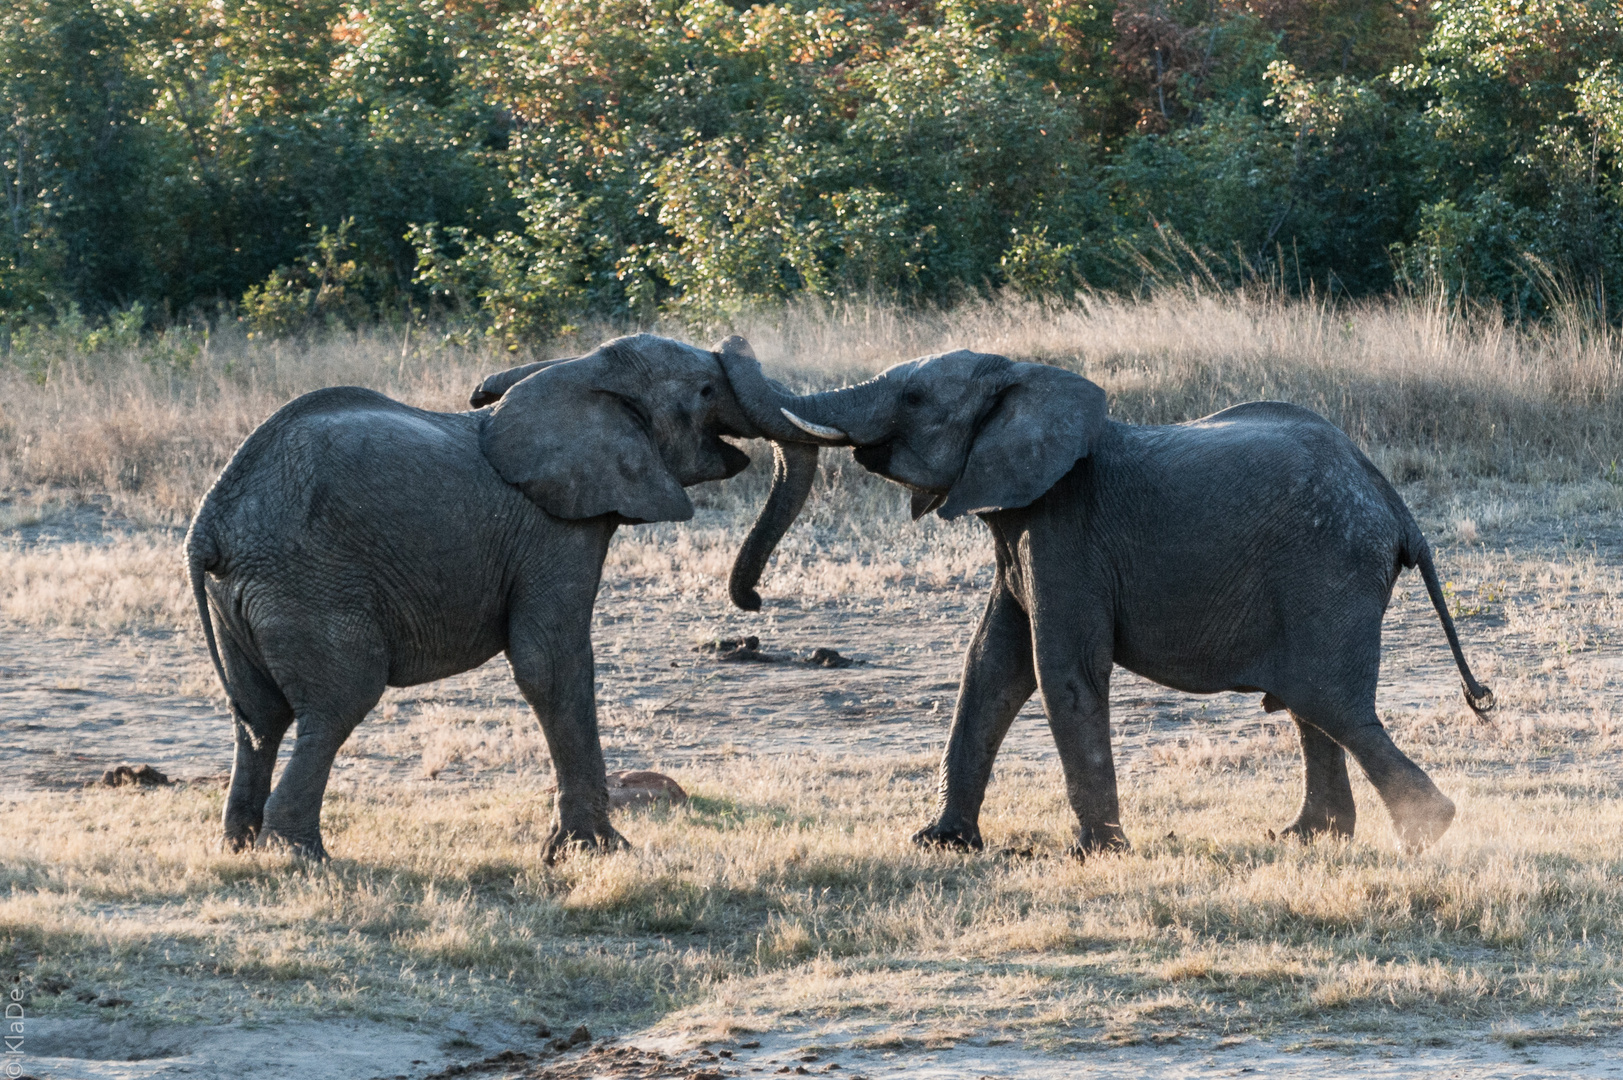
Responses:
[820,430]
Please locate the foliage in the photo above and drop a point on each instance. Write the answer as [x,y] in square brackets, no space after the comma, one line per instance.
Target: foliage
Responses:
[323,288]
[524,166]
[1520,154]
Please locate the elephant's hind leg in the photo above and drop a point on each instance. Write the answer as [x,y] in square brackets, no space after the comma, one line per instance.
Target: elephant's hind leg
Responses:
[1327,800]
[329,703]
[1420,812]
[260,716]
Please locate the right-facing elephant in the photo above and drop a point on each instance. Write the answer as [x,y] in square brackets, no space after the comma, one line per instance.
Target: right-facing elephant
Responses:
[1253,550]
[354,543]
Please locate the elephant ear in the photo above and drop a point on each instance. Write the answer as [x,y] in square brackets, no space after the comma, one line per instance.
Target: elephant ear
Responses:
[1046,420]
[494,386]
[578,450]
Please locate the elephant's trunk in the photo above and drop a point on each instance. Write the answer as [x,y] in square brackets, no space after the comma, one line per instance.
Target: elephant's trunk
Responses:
[797,424]
[850,416]
[859,415]
[794,467]
[760,399]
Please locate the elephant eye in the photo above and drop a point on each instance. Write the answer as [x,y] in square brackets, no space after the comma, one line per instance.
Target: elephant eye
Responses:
[706,390]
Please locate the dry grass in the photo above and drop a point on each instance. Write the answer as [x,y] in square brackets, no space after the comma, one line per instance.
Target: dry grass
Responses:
[133,582]
[784,894]
[1484,416]
[1431,393]
[444,738]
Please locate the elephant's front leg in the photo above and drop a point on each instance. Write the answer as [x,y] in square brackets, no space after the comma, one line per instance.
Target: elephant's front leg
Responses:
[1073,672]
[998,679]
[552,665]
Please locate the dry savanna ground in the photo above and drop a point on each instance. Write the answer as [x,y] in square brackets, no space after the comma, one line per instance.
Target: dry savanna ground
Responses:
[783,898]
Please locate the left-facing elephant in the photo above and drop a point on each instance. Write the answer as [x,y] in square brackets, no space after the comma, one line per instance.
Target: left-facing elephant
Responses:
[355,543]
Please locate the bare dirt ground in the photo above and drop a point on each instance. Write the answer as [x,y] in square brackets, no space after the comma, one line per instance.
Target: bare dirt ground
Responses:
[1536,600]
[339,1050]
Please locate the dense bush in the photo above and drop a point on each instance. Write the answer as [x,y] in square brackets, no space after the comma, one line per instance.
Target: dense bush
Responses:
[520,165]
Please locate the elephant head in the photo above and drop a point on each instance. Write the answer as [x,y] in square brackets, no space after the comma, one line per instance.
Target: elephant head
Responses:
[965,432]
[623,429]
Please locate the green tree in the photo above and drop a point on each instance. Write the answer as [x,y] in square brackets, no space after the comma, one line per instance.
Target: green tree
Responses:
[74,156]
[1519,163]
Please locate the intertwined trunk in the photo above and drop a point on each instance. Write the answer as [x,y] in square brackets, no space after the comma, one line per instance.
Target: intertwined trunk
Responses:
[850,415]
[794,467]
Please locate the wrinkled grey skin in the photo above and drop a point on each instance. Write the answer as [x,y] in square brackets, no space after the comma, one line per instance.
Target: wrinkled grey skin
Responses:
[1254,550]
[355,543]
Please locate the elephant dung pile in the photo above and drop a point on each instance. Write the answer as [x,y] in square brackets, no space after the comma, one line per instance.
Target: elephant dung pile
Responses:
[134,776]
[748,650]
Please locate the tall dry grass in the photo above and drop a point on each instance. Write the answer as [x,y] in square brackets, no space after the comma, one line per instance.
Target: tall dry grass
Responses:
[1428,390]
[1457,400]
[1431,389]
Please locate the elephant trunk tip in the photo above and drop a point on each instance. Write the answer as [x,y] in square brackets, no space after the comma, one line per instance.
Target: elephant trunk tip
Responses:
[744,597]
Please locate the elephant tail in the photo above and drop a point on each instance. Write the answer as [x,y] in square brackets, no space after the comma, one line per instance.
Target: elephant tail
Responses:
[201,554]
[1479,697]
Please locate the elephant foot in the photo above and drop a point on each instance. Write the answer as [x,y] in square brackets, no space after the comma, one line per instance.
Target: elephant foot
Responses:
[1098,840]
[562,842]
[958,837]
[1309,825]
[239,838]
[1419,818]
[306,847]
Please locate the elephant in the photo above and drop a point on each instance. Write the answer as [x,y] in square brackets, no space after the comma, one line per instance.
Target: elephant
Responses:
[1253,550]
[354,543]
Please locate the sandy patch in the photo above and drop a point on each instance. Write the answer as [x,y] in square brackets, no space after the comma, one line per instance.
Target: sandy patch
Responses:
[349,1050]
